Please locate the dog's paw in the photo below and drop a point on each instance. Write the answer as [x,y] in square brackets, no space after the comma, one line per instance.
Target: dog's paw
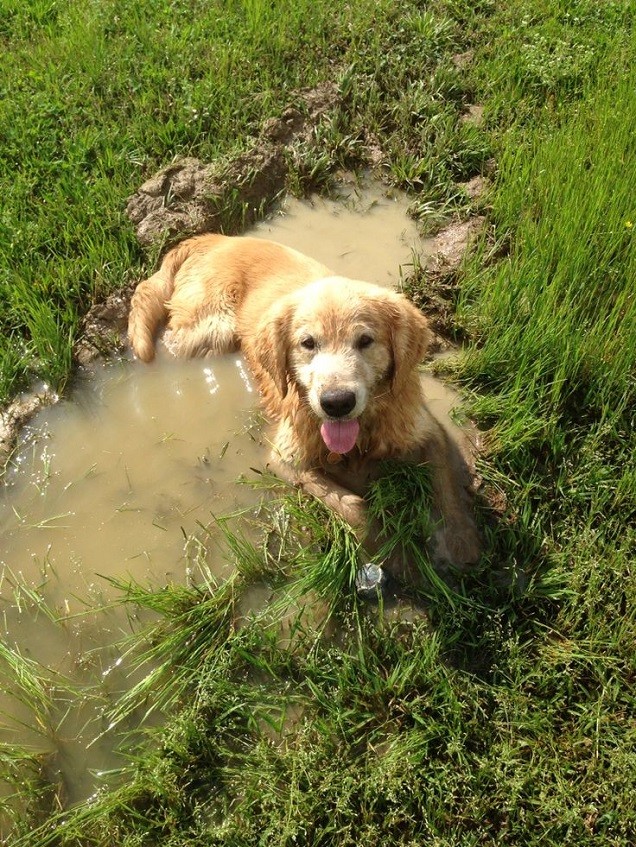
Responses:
[353,509]
[458,545]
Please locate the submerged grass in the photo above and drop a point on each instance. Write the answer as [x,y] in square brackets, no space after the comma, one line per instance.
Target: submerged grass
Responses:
[496,711]
[42,695]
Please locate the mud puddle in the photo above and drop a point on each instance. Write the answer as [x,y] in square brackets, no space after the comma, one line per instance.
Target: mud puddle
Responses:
[111,484]
[362,233]
[114,483]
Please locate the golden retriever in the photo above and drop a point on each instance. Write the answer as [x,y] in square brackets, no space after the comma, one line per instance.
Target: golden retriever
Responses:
[335,361]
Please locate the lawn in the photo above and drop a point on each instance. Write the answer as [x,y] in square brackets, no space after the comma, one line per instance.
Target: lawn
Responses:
[507,714]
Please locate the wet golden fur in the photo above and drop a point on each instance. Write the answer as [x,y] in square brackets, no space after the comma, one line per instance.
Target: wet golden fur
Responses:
[305,333]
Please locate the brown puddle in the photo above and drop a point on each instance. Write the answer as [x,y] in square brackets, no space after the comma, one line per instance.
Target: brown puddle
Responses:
[365,235]
[111,482]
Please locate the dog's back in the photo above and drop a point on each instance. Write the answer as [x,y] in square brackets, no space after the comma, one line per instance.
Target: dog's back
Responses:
[202,286]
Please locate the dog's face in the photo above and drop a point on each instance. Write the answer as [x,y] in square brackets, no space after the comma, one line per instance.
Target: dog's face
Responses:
[343,343]
[338,351]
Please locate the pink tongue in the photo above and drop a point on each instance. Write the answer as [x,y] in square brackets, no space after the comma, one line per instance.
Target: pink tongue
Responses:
[340,436]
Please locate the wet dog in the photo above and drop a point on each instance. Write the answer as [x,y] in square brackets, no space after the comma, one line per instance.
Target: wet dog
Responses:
[335,361]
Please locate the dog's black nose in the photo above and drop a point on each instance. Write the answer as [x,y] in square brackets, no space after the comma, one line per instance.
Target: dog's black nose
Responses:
[338,402]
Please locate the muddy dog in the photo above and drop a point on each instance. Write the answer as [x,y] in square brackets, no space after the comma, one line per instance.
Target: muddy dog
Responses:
[335,361]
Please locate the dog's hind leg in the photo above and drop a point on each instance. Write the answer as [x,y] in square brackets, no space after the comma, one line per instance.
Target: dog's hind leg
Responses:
[456,539]
[210,336]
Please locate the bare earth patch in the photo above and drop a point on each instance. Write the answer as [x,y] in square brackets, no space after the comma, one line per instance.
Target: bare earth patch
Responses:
[188,196]
[17,414]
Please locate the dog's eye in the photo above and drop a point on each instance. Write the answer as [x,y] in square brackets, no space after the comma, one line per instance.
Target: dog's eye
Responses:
[308,342]
[364,341]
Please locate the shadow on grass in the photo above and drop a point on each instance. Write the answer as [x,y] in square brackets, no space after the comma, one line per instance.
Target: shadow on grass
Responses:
[479,612]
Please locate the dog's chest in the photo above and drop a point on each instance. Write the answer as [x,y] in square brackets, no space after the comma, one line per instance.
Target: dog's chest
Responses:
[357,471]
[354,471]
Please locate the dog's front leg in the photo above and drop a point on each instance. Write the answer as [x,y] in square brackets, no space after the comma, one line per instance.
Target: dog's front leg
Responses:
[456,541]
[351,507]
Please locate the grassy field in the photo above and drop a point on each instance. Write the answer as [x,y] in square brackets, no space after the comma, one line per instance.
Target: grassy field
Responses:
[506,716]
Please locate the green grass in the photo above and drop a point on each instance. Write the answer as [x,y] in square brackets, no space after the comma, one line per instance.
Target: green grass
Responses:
[564,295]
[555,320]
[504,714]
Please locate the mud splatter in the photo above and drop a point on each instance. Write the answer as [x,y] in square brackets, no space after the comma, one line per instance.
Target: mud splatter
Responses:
[189,196]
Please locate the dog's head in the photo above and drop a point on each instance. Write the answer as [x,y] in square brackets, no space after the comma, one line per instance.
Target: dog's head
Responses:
[343,343]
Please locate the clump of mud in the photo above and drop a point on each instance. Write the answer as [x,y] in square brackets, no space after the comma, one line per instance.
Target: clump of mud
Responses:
[17,414]
[434,287]
[189,196]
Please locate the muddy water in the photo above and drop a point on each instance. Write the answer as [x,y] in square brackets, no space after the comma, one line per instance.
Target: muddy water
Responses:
[363,234]
[111,484]
[116,482]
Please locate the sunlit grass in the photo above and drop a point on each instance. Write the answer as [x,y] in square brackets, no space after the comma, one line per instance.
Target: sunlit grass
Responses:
[496,709]
[556,319]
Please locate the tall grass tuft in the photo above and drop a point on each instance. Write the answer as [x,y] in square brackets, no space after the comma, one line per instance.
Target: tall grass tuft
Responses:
[556,320]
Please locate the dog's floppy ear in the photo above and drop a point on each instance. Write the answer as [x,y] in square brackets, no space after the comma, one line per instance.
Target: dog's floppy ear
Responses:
[267,351]
[410,338]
